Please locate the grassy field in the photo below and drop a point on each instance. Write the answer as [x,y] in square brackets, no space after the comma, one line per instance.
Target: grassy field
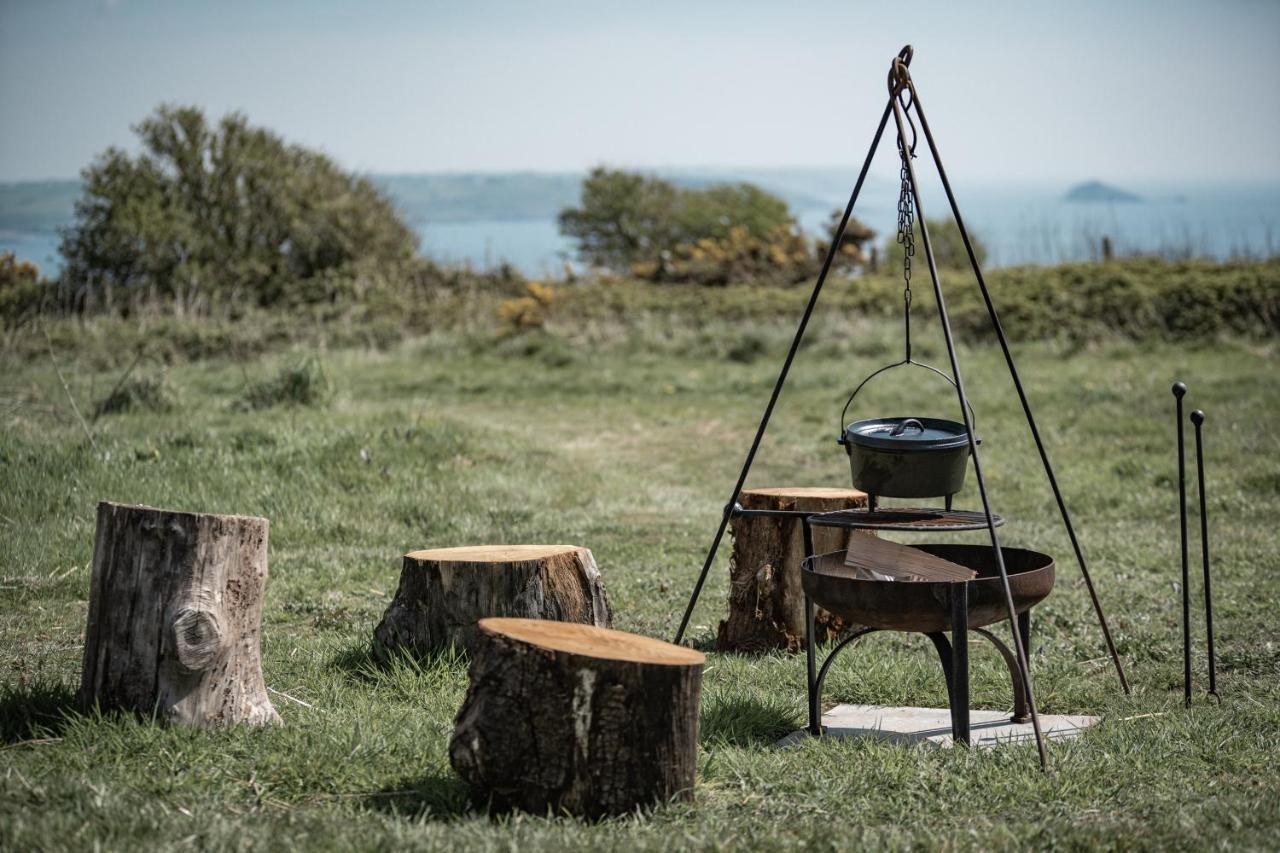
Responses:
[630,449]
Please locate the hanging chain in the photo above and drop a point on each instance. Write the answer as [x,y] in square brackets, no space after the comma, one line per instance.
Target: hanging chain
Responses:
[906,223]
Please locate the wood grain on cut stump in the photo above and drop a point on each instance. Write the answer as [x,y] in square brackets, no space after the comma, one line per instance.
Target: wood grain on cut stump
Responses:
[443,593]
[175,613]
[572,718]
[766,601]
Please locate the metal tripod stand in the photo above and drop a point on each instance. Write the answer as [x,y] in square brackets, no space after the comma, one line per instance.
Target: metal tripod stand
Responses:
[903,102]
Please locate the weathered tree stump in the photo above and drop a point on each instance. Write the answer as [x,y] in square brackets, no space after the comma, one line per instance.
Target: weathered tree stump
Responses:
[577,719]
[175,615]
[766,601]
[445,591]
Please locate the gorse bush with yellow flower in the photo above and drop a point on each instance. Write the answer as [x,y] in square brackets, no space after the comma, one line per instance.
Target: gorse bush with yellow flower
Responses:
[531,310]
[783,255]
[715,235]
[23,290]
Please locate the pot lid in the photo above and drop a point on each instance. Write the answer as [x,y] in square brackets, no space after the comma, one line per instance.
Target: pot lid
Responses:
[907,434]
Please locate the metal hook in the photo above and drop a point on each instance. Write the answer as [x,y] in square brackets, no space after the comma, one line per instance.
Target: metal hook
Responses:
[901,90]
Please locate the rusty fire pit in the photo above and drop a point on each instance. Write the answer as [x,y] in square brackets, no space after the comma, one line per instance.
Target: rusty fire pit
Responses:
[925,606]
[932,608]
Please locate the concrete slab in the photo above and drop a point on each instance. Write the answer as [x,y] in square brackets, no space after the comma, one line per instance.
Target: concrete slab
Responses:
[933,726]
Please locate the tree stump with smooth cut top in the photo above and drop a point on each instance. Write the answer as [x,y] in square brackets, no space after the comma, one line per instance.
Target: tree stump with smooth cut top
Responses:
[766,600]
[175,615]
[445,591]
[571,718]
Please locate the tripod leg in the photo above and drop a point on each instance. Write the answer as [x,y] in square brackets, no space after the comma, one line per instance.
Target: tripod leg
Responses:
[1022,395]
[945,320]
[782,376]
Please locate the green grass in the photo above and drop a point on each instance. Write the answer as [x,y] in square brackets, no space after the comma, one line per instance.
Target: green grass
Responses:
[629,446]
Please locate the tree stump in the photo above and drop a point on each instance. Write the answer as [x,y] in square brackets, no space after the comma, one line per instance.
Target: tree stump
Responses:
[577,719]
[766,601]
[175,615]
[445,591]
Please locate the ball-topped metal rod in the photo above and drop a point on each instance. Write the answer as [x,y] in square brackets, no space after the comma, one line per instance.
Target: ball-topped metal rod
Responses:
[1197,418]
[1179,391]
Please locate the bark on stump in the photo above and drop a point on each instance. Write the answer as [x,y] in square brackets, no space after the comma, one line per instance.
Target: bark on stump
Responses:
[445,591]
[766,600]
[175,616]
[576,719]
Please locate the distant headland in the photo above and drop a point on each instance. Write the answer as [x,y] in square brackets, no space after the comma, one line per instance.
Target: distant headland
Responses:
[1098,191]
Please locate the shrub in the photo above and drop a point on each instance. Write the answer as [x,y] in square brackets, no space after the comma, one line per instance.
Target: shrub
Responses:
[782,256]
[22,289]
[530,310]
[718,234]
[624,218]
[302,383]
[1147,299]
[852,253]
[749,347]
[208,213]
[627,218]
[538,345]
[148,393]
[948,248]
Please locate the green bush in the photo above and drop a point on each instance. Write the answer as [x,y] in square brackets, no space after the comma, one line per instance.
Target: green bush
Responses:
[948,249]
[627,218]
[1137,299]
[227,213]
[1140,299]
[624,218]
[23,291]
[723,233]
[302,383]
[782,256]
[146,393]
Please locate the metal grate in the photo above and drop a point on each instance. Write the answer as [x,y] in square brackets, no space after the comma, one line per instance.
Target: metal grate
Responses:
[905,518]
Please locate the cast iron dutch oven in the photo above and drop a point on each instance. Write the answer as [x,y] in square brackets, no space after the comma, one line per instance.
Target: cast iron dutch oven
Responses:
[907,457]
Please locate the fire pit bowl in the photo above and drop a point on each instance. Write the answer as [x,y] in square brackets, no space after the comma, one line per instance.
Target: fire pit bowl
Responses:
[925,605]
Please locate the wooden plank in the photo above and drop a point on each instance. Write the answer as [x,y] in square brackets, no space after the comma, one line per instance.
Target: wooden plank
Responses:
[881,559]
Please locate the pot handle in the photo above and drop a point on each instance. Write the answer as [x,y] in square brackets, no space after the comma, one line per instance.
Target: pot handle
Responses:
[973,417]
[902,427]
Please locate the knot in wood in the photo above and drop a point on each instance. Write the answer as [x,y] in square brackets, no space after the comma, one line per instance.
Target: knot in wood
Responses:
[197,638]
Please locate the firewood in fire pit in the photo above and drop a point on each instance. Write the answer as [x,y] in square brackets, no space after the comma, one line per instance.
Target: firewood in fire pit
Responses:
[879,559]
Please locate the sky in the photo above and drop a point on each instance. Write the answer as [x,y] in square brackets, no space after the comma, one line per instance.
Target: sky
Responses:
[1124,91]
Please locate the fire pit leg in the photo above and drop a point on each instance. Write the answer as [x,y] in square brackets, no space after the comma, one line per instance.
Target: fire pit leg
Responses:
[1021,706]
[811,665]
[943,647]
[960,663]
[1024,631]
[811,640]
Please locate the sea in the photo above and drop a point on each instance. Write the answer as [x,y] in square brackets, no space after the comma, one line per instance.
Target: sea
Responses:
[484,220]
